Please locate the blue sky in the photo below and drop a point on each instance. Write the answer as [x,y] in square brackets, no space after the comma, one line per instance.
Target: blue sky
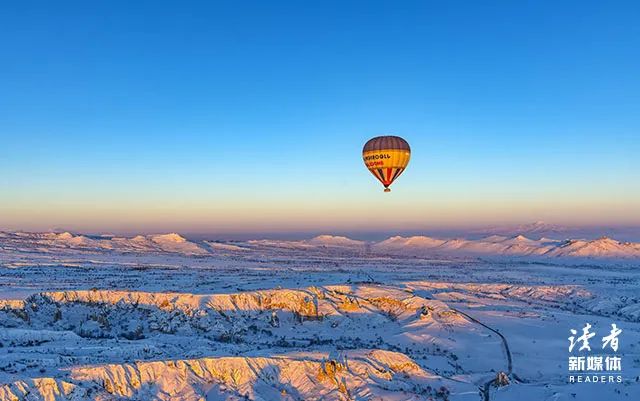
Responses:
[228,116]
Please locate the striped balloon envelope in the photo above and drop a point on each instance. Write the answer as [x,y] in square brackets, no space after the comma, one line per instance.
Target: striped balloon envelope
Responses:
[386,157]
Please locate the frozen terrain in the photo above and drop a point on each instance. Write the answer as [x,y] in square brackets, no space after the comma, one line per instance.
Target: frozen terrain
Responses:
[159,317]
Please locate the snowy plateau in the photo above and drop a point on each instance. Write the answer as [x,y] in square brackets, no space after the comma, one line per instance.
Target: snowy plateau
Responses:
[161,317]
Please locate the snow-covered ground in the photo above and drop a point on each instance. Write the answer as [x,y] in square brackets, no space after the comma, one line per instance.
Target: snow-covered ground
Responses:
[159,317]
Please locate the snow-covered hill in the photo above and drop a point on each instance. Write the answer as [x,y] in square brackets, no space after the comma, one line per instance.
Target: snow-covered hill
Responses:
[421,246]
[541,229]
[172,242]
[519,245]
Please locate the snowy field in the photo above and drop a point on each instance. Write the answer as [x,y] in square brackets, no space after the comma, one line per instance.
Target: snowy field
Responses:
[330,318]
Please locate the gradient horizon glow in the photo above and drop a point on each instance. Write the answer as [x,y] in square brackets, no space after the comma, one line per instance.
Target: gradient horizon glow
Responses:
[250,117]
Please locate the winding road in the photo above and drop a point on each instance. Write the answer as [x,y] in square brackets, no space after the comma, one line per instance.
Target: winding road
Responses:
[485,389]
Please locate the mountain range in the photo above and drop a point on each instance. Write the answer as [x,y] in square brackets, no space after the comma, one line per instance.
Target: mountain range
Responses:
[493,245]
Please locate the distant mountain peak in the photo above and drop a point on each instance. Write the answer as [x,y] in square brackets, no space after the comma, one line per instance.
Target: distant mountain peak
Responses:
[64,235]
[537,228]
[334,240]
[171,237]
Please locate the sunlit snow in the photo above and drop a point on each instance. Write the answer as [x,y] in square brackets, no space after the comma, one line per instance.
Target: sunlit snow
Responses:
[161,317]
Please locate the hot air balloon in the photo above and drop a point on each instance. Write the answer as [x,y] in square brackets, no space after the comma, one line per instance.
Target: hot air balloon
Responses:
[386,157]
